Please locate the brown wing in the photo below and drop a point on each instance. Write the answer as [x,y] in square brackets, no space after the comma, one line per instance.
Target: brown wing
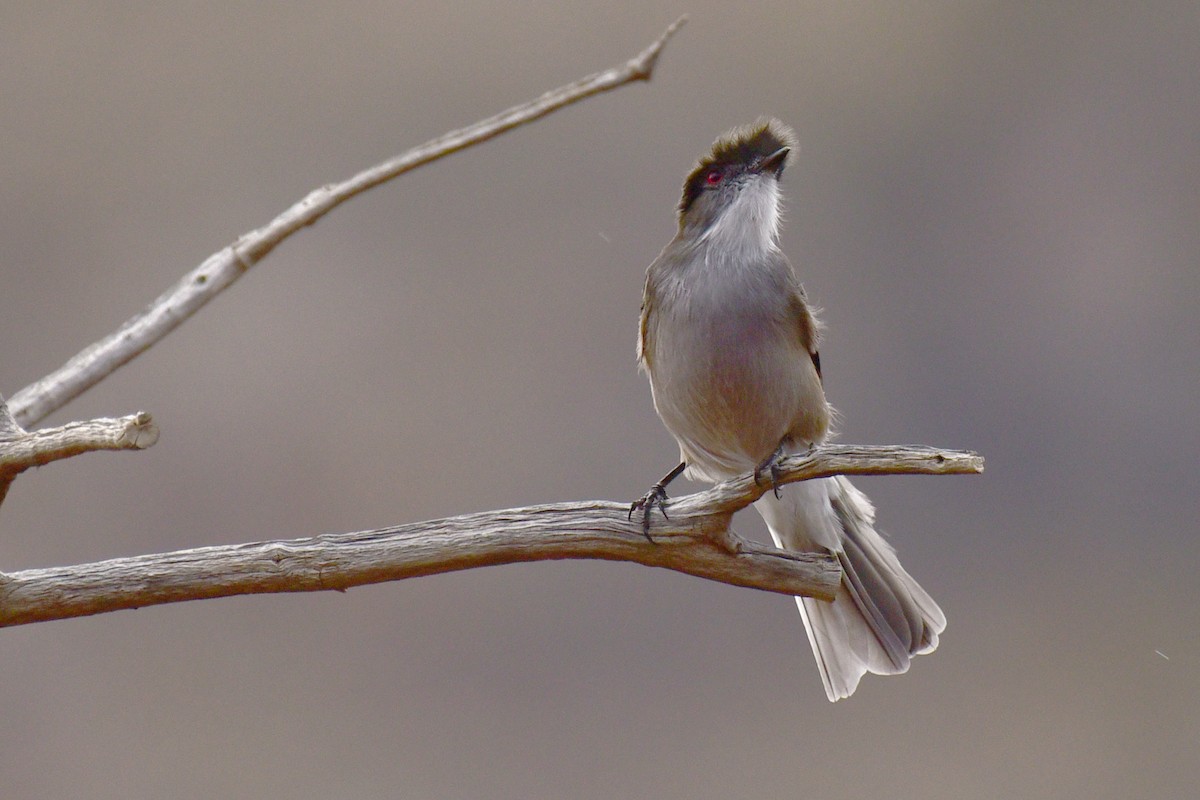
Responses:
[643,348]
[807,326]
[657,268]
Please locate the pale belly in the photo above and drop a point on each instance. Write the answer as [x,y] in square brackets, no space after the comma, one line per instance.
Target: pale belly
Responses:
[733,389]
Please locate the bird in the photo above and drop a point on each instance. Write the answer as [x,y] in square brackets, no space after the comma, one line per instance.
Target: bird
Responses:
[729,341]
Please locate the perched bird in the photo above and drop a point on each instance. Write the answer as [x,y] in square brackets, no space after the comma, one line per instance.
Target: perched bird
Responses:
[729,343]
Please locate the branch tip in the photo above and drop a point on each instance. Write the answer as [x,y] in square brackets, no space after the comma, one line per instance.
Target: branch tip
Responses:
[140,432]
[644,64]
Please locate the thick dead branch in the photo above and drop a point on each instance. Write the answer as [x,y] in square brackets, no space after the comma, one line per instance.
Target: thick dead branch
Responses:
[220,270]
[696,539]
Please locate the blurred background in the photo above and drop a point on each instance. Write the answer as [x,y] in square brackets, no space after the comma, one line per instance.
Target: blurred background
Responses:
[997,205]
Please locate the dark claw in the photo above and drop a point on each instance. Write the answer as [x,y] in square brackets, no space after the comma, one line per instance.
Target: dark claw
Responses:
[656,496]
[771,464]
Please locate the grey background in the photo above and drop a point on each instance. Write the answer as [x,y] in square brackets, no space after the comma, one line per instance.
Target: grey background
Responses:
[996,204]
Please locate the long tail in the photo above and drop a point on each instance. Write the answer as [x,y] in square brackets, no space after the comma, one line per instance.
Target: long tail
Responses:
[880,617]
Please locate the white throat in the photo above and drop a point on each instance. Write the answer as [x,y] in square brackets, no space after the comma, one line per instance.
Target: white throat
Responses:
[751,223]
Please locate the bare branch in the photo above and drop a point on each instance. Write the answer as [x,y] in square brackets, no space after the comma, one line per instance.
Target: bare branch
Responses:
[835,459]
[20,450]
[221,269]
[696,539]
[25,450]
[9,429]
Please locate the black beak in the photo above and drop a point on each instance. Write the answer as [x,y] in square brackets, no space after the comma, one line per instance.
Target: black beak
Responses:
[775,162]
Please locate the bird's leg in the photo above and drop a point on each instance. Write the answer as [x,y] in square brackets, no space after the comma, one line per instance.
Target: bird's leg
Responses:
[656,496]
[770,464]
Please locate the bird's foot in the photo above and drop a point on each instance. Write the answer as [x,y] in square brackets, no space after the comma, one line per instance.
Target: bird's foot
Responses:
[657,496]
[770,465]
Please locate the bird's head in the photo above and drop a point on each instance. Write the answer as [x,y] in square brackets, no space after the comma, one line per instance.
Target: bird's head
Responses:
[734,189]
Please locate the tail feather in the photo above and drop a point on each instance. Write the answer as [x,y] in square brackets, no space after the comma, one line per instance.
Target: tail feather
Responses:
[880,617]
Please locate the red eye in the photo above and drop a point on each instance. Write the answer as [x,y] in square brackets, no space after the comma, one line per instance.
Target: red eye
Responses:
[713,177]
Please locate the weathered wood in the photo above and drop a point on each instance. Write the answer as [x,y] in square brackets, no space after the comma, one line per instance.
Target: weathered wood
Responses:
[694,539]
